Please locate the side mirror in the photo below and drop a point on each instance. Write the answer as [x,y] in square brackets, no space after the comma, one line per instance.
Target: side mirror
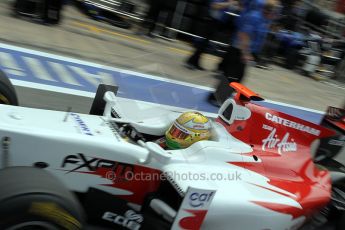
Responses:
[230,111]
[110,101]
[98,103]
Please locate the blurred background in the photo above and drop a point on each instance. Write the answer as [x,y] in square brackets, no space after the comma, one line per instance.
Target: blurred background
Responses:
[301,61]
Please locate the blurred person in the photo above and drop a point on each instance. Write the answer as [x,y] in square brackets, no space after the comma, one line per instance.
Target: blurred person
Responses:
[53,11]
[291,11]
[49,11]
[219,20]
[252,28]
[270,47]
[155,8]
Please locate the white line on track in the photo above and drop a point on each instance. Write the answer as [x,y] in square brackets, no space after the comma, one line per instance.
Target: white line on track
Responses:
[52,88]
[87,94]
[37,68]
[92,95]
[8,61]
[64,75]
[76,61]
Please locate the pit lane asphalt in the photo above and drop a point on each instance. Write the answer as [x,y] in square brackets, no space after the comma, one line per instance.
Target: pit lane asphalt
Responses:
[42,99]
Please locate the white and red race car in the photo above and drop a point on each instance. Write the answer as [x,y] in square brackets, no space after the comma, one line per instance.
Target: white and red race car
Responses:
[257,171]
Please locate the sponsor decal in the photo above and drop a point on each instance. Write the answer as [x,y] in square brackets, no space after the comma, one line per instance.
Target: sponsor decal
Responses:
[200,199]
[337,142]
[198,127]
[292,124]
[267,127]
[189,222]
[239,117]
[81,124]
[131,220]
[80,161]
[181,128]
[283,145]
[193,209]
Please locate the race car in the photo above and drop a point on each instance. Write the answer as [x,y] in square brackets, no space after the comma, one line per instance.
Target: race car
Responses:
[66,170]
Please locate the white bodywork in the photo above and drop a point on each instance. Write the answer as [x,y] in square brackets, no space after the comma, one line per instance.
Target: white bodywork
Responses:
[51,136]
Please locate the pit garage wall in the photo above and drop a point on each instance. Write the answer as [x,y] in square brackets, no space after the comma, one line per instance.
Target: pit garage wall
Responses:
[326,4]
[332,5]
[184,15]
[340,6]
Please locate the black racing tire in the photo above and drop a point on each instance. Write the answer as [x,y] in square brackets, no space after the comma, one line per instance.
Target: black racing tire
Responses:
[8,94]
[339,214]
[341,222]
[32,198]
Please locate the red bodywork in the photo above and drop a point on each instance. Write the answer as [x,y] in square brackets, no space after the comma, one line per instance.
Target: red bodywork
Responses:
[282,143]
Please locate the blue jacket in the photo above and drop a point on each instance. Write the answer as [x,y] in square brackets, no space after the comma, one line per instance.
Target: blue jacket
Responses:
[256,26]
[252,22]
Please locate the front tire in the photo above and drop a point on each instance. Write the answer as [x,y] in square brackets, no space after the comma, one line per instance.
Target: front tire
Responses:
[8,94]
[31,198]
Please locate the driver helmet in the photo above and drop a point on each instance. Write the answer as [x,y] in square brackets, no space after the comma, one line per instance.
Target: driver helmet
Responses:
[188,128]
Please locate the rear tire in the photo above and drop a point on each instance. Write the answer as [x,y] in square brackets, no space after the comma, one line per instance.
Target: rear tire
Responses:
[341,222]
[32,198]
[339,214]
[7,92]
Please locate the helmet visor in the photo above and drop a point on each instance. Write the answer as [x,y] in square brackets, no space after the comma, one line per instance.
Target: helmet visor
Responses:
[178,132]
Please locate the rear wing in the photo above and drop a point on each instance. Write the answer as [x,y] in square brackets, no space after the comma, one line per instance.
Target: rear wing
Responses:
[332,146]
[335,118]
[244,94]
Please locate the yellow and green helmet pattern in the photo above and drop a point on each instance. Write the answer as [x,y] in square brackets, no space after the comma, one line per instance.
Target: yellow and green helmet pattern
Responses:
[189,128]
